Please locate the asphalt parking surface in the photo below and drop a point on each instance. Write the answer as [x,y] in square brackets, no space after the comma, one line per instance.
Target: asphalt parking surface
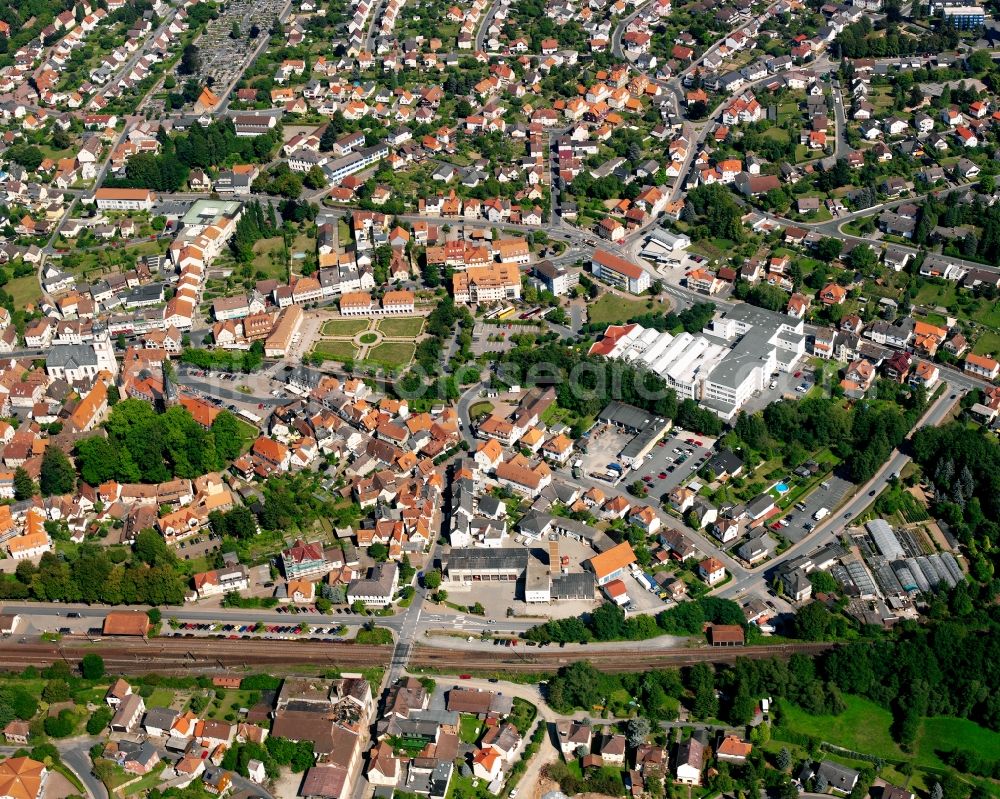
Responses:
[820,497]
[664,460]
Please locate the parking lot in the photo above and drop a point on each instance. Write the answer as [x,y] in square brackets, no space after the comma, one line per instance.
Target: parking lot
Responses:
[491,338]
[672,462]
[307,628]
[802,515]
[641,600]
[250,395]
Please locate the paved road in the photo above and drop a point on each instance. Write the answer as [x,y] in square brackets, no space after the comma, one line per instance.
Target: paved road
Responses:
[75,755]
[373,24]
[484,24]
[841,149]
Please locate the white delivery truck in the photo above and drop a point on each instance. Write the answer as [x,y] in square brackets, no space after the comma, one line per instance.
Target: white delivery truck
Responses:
[821,514]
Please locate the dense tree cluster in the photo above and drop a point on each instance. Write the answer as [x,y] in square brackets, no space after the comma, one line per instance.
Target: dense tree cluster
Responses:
[279,180]
[236,523]
[580,685]
[16,702]
[255,224]
[201,147]
[963,465]
[95,574]
[713,207]
[247,361]
[730,693]
[145,446]
[859,40]
[763,295]
[293,501]
[948,212]
[57,475]
[440,327]
[948,669]
[863,436]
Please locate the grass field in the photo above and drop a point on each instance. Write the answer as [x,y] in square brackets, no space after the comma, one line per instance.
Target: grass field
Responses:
[146,782]
[987,344]
[779,135]
[25,290]
[402,328]
[231,703]
[368,338]
[161,697]
[863,727]
[377,636]
[265,253]
[941,733]
[336,350]
[392,355]
[613,308]
[248,433]
[933,294]
[343,327]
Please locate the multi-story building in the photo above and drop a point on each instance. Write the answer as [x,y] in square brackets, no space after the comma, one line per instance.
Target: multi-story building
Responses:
[964,17]
[619,272]
[557,279]
[221,581]
[124,199]
[304,560]
[478,285]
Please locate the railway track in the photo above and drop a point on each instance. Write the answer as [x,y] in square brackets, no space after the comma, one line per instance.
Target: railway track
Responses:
[626,659]
[170,655]
[174,656]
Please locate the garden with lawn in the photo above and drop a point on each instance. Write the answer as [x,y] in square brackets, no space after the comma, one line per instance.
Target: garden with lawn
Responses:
[343,327]
[391,354]
[468,729]
[406,327]
[480,409]
[335,350]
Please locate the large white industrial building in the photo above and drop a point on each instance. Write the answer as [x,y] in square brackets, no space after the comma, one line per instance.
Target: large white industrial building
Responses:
[721,368]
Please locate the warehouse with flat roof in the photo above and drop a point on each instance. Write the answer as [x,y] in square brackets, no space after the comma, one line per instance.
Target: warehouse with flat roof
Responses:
[721,368]
[474,565]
